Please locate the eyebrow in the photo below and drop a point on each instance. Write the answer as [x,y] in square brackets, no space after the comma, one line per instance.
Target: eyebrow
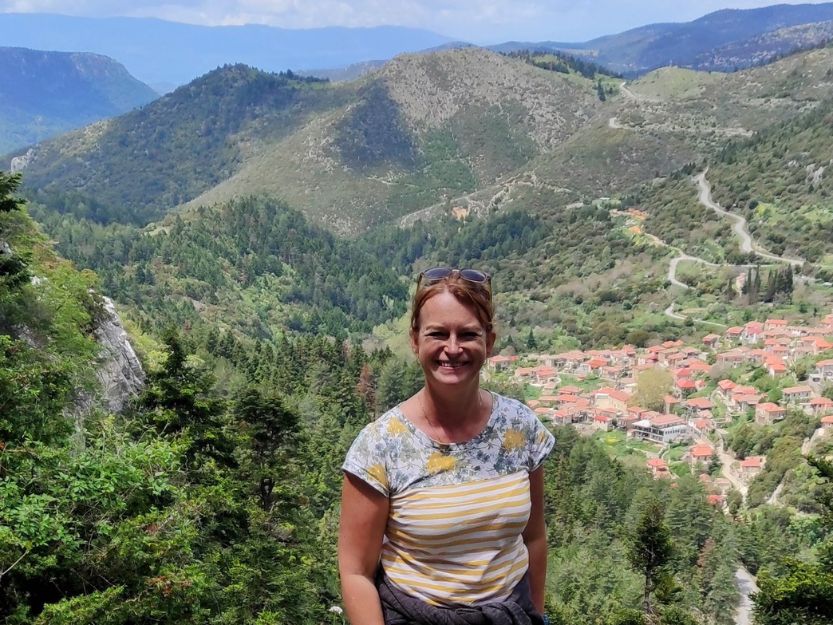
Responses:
[467,328]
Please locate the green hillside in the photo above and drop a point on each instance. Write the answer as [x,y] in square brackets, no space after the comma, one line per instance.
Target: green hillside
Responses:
[780,181]
[135,168]
[252,265]
[422,130]
[424,133]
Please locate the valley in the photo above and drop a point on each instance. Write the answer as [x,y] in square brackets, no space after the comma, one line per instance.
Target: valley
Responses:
[661,253]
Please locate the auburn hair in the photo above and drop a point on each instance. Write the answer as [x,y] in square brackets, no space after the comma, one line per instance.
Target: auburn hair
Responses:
[476,297]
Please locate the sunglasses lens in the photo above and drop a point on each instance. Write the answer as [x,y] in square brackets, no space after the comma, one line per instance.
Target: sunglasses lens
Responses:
[473,275]
[437,273]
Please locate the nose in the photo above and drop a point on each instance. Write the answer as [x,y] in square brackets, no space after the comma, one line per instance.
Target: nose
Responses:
[452,345]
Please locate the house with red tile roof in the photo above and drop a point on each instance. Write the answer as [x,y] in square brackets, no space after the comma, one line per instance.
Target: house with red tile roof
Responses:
[771,324]
[698,366]
[699,453]
[820,406]
[696,405]
[564,416]
[569,390]
[725,387]
[671,403]
[797,394]
[776,368]
[752,332]
[524,372]
[823,371]
[816,344]
[612,398]
[544,374]
[767,413]
[733,333]
[658,467]
[711,340]
[501,363]
[704,425]
[715,500]
[751,466]
[747,402]
[594,364]
[569,361]
[827,422]
[685,386]
[733,357]
[603,419]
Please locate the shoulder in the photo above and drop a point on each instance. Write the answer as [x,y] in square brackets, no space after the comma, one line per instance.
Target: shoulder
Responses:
[390,423]
[512,409]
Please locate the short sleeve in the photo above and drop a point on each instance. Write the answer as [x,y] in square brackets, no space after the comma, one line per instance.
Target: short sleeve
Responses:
[541,443]
[366,459]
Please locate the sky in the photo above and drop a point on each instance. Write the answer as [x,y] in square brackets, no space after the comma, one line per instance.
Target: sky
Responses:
[476,21]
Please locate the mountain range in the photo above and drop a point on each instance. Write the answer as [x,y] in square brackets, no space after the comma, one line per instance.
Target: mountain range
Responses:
[724,40]
[46,93]
[429,132]
[180,53]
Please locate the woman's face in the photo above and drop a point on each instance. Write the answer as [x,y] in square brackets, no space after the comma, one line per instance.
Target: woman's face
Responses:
[450,343]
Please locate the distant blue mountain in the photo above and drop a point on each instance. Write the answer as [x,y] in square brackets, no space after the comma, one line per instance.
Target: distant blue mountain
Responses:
[43,94]
[167,54]
[693,44]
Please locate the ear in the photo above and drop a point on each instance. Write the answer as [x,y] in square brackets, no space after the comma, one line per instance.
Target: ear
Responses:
[491,336]
[413,339]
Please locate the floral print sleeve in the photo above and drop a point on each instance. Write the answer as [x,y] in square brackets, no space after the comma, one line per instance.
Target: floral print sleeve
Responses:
[366,459]
[392,455]
[541,442]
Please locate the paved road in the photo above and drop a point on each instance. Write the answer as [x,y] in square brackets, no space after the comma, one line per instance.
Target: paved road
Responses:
[745,582]
[739,225]
[672,267]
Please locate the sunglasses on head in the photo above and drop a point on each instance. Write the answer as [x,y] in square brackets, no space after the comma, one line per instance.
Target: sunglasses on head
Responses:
[438,274]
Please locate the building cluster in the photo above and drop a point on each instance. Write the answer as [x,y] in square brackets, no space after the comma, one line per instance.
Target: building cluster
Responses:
[773,345]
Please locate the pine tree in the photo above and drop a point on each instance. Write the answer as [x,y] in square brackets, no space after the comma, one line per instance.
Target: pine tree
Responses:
[649,548]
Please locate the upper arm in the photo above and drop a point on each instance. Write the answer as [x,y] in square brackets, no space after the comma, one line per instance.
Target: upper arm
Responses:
[364,517]
[535,528]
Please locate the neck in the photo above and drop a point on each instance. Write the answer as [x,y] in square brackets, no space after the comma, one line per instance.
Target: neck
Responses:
[456,407]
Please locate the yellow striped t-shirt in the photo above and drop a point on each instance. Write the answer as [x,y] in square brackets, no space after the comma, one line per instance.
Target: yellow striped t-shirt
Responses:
[457,511]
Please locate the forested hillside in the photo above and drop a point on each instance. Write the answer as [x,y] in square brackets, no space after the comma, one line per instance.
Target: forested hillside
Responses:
[261,234]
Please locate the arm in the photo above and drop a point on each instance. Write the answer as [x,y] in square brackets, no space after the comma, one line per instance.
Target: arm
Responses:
[535,539]
[364,516]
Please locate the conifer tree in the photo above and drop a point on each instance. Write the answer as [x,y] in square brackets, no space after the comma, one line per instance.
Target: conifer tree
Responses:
[649,548]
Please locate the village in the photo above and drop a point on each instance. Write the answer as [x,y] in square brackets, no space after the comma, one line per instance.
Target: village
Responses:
[777,368]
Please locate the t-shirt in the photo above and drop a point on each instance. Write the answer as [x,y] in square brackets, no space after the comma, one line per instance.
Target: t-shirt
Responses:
[458,510]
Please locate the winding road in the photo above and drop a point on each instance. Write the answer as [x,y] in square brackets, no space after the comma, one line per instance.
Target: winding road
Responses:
[739,225]
[745,582]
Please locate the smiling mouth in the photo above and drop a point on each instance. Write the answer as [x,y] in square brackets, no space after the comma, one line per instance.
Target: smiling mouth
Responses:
[452,365]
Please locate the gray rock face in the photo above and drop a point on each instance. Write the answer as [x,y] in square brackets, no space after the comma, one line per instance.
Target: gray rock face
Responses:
[119,373]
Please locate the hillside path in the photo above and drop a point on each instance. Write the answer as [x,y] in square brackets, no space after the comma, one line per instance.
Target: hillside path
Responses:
[746,584]
[739,225]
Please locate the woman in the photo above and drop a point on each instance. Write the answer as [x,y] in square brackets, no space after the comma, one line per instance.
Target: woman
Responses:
[442,515]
